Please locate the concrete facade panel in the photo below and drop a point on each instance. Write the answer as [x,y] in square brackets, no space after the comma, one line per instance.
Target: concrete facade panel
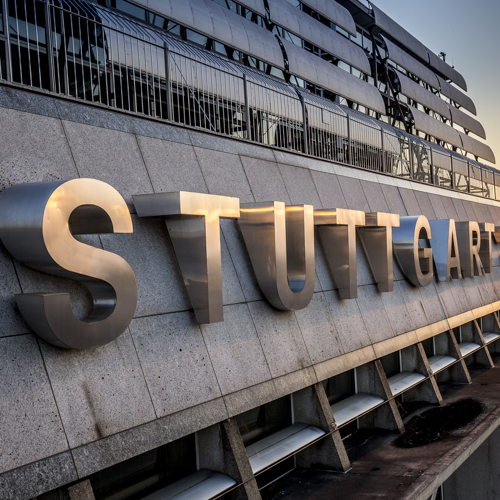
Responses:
[109,156]
[224,174]
[175,362]
[171,166]
[38,477]
[348,322]
[318,330]
[374,315]
[31,427]
[410,201]
[99,392]
[235,350]
[281,339]
[11,321]
[265,180]
[425,205]
[397,312]
[375,196]
[300,186]
[394,200]
[329,190]
[353,194]
[438,206]
[31,156]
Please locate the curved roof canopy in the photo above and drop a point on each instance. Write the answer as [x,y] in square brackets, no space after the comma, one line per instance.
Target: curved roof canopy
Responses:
[224,25]
[477,148]
[256,6]
[334,12]
[429,125]
[408,62]
[311,30]
[446,70]
[415,91]
[394,30]
[457,96]
[467,122]
[316,70]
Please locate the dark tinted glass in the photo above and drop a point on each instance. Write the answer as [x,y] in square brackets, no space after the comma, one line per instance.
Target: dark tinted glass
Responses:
[146,473]
[340,387]
[265,420]
[129,8]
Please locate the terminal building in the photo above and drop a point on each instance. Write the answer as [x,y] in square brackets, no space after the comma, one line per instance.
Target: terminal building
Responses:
[294,357]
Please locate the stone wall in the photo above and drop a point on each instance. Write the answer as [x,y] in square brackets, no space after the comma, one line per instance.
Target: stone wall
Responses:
[66,414]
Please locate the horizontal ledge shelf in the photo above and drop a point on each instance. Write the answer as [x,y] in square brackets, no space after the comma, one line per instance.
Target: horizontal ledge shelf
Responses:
[279,445]
[467,348]
[490,337]
[354,406]
[202,485]
[403,381]
[440,362]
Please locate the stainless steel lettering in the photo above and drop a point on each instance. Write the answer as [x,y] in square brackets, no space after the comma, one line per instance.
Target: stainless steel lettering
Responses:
[280,243]
[35,228]
[376,238]
[413,257]
[469,244]
[337,232]
[445,249]
[192,221]
[485,251]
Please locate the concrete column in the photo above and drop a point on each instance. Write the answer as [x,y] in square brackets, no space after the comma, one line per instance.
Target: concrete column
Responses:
[372,379]
[221,448]
[414,359]
[311,406]
[483,356]
[446,344]
[81,491]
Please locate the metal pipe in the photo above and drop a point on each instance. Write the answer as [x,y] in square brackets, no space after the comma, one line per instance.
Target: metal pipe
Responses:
[8,59]
[167,79]
[50,46]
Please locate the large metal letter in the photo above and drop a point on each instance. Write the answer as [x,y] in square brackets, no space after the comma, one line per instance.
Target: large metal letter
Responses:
[445,249]
[469,244]
[193,225]
[485,252]
[337,232]
[376,238]
[37,226]
[415,260]
[280,243]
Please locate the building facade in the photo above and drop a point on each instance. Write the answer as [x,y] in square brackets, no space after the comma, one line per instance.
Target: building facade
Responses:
[243,244]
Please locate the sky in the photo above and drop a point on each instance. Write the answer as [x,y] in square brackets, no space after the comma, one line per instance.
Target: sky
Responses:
[468,31]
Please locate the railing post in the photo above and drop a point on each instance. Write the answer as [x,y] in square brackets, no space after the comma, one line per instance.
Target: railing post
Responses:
[247,107]
[382,149]
[349,142]
[305,147]
[50,46]
[8,59]
[167,79]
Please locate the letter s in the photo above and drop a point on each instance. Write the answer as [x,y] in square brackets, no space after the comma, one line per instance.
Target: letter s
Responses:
[37,224]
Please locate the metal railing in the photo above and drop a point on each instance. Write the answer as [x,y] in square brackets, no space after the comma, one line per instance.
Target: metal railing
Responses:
[81,50]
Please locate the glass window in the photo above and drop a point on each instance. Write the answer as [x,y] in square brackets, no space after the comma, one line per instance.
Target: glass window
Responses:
[265,420]
[195,37]
[158,21]
[460,182]
[442,177]
[1,17]
[146,473]
[130,9]
[421,165]
[340,387]
[391,363]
